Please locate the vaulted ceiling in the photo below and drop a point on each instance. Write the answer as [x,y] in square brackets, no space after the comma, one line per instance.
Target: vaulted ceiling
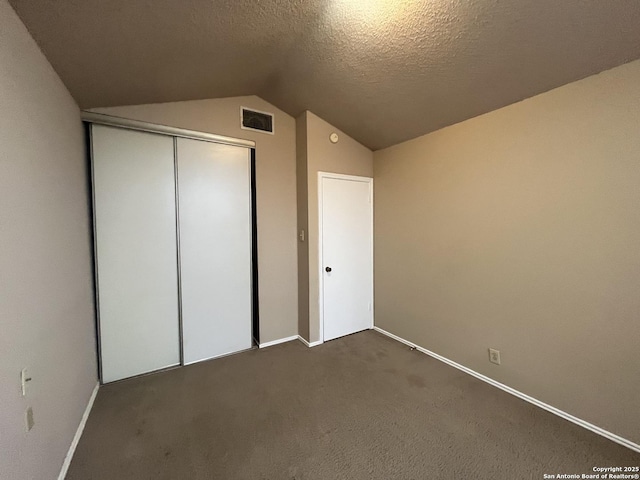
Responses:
[383,71]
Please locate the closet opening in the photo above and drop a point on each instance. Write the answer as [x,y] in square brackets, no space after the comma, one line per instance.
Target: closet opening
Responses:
[175,245]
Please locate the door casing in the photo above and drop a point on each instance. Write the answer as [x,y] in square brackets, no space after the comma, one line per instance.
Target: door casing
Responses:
[354,178]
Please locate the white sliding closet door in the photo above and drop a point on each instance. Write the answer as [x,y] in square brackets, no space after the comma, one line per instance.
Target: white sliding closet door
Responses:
[136,251]
[215,248]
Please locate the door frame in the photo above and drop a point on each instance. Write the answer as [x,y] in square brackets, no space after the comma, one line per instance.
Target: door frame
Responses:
[353,178]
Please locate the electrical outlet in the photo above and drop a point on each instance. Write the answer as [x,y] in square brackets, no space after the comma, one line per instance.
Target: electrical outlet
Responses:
[494,356]
[28,418]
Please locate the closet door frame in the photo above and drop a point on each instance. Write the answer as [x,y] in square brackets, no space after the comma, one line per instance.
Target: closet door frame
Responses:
[91,118]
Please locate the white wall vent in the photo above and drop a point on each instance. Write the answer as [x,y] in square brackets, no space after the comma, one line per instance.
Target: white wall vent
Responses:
[256,120]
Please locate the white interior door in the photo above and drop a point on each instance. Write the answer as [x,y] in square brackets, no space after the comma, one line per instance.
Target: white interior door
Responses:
[136,251]
[346,254]
[215,248]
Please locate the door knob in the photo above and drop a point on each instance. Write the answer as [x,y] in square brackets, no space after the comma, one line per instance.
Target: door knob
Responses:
[327,269]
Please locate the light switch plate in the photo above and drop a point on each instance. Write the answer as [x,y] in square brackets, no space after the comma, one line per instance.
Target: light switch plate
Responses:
[24,379]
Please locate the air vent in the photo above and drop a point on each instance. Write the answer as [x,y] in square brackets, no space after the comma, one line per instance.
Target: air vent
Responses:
[256,120]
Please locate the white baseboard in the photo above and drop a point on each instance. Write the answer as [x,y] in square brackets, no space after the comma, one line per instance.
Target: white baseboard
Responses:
[276,342]
[76,437]
[556,411]
[310,344]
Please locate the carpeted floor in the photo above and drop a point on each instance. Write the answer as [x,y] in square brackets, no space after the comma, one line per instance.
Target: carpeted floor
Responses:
[360,407]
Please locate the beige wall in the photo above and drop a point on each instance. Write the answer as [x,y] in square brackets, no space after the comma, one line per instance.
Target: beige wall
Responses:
[303,226]
[276,194]
[347,157]
[520,230]
[46,305]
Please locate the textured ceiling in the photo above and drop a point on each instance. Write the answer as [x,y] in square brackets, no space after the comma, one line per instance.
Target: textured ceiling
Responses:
[383,71]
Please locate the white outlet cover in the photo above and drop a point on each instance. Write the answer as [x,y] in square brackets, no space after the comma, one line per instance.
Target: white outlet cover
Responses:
[494,356]
[28,418]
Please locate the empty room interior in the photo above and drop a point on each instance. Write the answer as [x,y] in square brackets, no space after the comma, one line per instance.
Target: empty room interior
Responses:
[322,239]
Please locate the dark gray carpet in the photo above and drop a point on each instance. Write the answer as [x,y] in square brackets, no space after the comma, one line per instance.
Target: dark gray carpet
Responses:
[360,407]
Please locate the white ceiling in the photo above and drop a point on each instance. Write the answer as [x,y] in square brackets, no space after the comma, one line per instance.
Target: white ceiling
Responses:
[383,71]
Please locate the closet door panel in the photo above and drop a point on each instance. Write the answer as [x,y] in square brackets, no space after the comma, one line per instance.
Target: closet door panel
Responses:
[136,251]
[215,248]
